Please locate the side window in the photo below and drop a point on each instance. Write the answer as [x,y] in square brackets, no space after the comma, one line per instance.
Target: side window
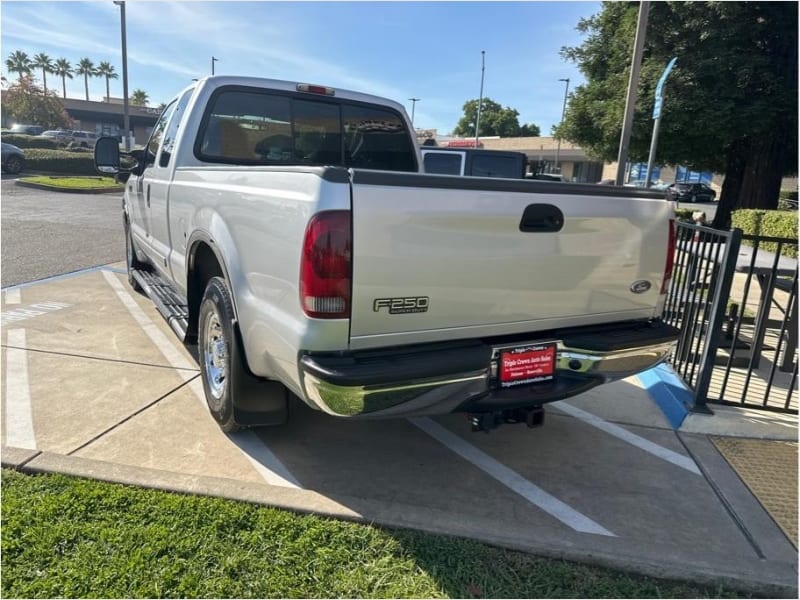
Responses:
[444,163]
[172,129]
[375,138]
[158,133]
[248,127]
[484,165]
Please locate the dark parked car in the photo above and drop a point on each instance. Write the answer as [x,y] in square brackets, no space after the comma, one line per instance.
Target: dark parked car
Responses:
[691,192]
[27,129]
[13,159]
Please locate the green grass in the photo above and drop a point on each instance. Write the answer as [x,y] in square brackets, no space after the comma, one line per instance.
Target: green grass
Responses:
[73,183]
[69,537]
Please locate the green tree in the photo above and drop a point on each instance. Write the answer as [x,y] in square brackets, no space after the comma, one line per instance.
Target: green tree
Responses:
[529,130]
[86,68]
[63,69]
[495,120]
[19,63]
[730,104]
[25,102]
[45,63]
[106,69]
[139,98]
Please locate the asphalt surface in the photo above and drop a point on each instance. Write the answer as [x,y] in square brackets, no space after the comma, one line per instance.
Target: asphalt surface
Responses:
[49,233]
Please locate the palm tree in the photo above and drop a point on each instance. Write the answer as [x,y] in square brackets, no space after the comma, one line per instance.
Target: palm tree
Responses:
[86,68]
[18,62]
[139,98]
[63,69]
[106,69]
[45,63]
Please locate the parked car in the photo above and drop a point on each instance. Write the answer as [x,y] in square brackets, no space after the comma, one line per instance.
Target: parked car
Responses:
[84,139]
[690,192]
[13,159]
[27,129]
[545,176]
[291,231]
[58,135]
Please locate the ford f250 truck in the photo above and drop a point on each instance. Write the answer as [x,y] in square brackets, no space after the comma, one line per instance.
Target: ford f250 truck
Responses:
[289,230]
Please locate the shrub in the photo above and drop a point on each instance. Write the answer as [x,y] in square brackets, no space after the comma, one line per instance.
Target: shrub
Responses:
[684,214]
[768,223]
[60,161]
[21,140]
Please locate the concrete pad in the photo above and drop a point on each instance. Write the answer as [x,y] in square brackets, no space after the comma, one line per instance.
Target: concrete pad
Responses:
[742,422]
[94,324]
[14,458]
[177,435]
[74,399]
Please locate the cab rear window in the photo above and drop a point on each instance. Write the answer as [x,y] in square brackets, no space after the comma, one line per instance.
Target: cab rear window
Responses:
[251,127]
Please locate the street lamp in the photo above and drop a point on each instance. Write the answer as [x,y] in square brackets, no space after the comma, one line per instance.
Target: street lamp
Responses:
[563,112]
[213,60]
[126,119]
[413,106]
[480,100]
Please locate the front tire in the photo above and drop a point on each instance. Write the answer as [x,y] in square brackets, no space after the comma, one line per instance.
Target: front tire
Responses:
[216,348]
[14,165]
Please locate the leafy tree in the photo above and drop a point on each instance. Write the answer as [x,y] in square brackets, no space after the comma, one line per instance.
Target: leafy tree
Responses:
[139,98]
[495,120]
[63,69]
[730,104]
[45,63]
[106,69]
[86,68]
[529,130]
[25,102]
[19,63]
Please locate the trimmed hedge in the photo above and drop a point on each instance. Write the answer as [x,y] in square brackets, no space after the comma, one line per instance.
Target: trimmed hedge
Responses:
[60,161]
[21,140]
[768,223]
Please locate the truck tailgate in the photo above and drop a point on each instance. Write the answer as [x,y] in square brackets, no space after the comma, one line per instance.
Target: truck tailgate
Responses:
[438,257]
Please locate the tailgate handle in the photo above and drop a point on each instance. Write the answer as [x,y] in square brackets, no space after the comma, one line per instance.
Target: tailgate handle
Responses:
[541,218]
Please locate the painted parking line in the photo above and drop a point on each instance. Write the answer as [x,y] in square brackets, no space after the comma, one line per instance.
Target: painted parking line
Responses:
[13,296]
[271,469]
[19,418]
[511,479]
[666,454]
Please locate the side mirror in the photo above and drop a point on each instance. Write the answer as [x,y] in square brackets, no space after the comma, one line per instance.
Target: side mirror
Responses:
[106,155]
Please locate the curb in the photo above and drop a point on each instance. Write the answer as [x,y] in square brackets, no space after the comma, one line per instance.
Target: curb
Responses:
[50,188]
[766,578]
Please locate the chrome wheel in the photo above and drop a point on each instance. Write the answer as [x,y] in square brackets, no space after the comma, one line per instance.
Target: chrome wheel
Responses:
[215,357]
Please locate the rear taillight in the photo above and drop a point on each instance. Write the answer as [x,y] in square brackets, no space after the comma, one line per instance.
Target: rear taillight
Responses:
[670,257]
[326,266]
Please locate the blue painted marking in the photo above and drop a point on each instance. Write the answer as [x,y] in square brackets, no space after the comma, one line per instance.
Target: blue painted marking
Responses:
[669,392]
[63,276]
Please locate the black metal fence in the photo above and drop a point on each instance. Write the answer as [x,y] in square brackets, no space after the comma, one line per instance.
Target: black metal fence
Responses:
[734,298]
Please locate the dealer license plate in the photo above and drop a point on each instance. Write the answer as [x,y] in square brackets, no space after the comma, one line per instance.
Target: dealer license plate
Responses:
[527,364]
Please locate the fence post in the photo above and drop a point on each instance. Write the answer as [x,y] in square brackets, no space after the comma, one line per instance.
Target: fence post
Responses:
[722,292]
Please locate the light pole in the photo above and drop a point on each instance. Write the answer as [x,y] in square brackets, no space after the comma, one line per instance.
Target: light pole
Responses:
[413,106]
[480,99]
[126,119]
[213,60]
[563,112]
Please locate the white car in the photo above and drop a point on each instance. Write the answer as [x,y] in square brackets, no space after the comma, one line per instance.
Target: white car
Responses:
[59,136]
[85,139]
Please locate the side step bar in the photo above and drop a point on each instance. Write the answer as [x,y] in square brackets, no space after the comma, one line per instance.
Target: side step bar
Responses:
[172,306]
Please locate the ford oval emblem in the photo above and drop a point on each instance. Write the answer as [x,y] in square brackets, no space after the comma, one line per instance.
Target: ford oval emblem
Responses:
[640,286]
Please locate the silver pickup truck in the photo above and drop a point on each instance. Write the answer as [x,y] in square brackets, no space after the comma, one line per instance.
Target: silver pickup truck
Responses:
[290,232]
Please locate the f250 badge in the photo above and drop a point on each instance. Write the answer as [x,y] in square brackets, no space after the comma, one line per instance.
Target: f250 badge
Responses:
[402,306]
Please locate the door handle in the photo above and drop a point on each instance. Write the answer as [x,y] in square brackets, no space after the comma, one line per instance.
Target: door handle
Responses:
[148,195]
[541,218]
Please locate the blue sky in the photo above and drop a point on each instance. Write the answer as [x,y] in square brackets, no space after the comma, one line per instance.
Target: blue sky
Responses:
[428,50]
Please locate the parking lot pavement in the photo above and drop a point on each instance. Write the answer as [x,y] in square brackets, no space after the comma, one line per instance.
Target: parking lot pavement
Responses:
[95,384]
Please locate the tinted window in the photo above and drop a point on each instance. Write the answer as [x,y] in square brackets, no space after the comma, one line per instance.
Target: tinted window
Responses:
[158,133]
[445,163]
[260,128]
[487,165]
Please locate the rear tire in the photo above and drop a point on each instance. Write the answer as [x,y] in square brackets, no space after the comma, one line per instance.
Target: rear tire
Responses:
[215,345]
